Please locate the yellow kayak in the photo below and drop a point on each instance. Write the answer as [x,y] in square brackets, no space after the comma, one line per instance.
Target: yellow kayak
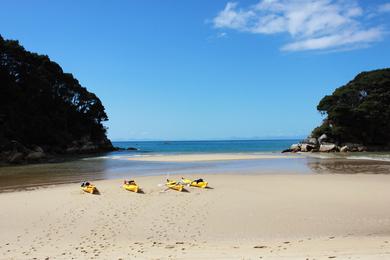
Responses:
[174,185]
[90,189]
[131,187]
[201,184]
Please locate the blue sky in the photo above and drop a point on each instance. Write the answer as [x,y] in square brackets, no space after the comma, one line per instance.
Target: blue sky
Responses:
[179,70]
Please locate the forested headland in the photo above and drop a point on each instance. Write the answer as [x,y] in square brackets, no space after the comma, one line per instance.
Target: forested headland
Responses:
[45,111]
[357,116]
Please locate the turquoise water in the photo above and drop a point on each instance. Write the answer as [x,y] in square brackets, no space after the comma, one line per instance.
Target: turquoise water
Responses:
[233,146]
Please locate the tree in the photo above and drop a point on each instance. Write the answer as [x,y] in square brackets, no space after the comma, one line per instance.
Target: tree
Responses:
[359,111]
[42,105]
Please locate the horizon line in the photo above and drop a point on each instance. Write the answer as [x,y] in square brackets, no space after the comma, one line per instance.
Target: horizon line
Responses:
[205,140]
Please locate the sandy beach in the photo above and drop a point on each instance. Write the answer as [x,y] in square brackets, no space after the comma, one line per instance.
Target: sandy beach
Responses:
[283,107]
[240,217]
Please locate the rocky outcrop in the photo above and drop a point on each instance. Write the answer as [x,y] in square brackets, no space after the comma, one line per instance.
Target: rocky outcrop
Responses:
[35,156]
[86,146]
[326,148]
[308,147]
[353,147]
[295,148]
[15,157]
[311,141]
[323,138]
[325,145]
[13,152]
[37,148]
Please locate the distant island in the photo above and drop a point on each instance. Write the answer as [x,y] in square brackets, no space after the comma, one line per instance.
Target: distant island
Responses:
[357,117]
[43,111]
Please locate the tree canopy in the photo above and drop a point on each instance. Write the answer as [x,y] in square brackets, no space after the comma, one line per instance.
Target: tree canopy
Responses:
[358,111]
[42,105]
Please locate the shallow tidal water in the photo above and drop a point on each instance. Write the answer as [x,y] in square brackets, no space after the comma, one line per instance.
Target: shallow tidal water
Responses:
[116,164]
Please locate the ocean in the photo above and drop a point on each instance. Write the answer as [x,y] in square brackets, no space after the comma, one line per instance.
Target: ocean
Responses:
[228,146]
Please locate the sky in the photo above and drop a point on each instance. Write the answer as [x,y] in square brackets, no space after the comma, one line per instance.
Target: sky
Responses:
[201,69]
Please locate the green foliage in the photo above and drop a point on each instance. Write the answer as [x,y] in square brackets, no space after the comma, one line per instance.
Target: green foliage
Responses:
[359,111]
[40,104]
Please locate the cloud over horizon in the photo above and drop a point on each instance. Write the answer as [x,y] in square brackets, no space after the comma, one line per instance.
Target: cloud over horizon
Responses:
[311,24]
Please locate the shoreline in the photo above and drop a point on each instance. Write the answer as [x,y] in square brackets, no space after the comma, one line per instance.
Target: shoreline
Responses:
[205,157]
[273,216]
[126,165]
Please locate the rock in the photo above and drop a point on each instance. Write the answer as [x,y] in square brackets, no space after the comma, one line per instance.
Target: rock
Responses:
[311,141]
[131,149]
[287,151]
[35,156]
[37,148]
[362,148]
[322,138]
[354,147]
[88,147]
[307,147]
[72,149]
[4,155]
[17,147]
[304,147]
[16,157]
[295,148]
[344,149]
[328,148]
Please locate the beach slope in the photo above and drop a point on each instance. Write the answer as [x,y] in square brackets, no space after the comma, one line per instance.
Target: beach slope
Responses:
[251,217]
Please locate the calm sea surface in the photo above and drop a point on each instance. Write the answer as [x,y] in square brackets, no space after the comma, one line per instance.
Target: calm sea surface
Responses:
[208,146]
[116,164]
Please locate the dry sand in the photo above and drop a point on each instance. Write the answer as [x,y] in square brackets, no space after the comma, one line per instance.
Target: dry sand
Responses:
[242,217]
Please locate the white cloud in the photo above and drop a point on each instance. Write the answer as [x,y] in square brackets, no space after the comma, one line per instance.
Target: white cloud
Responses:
[312,24]
[221,35]
[230,18]
[384,8]
[335,40]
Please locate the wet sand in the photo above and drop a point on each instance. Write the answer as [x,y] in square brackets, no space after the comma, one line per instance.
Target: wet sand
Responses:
[244,216]
[120,165]
[212,157]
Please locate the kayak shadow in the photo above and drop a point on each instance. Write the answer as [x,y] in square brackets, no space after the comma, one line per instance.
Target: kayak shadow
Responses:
[141,191]
[185,190]
[96,192]
[209,188]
